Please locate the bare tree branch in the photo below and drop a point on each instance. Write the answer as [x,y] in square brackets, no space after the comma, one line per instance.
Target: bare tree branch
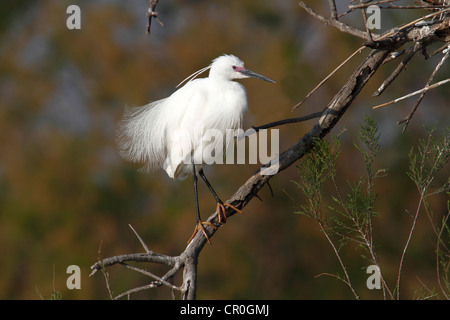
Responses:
[334,23]
[326,78]
[151,13]
[333,10]
[421,91]
[401,66]
[427,85]
[286,121]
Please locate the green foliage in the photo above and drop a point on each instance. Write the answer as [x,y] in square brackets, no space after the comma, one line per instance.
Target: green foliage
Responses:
[56,296]
[432,155]
[316,169]
[348,218]
[424,166]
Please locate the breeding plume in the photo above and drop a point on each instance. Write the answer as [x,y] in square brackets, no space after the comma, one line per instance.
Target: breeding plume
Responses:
[170,133]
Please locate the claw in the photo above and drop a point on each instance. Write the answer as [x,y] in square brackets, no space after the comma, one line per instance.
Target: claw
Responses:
[222,219]
[199,226]
[234,208]
[221,211]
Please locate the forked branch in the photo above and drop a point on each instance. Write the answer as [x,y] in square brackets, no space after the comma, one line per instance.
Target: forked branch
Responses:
[152,14]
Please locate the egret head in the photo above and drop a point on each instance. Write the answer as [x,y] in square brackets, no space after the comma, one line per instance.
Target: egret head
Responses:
[230,67]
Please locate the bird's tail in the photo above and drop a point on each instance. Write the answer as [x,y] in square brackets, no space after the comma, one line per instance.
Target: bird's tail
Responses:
[141,135]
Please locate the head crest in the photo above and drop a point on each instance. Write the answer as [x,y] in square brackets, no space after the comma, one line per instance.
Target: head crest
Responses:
[193,76]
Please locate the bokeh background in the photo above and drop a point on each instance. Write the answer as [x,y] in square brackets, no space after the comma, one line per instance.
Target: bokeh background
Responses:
[64,190]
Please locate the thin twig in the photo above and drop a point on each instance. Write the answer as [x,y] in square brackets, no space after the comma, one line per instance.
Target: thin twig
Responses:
[147,273]
[358,6]
[396,31]
[394,55]
[151,13]
[363,12]
[419,100]
[440,83]
[326,78]
[136,257]
[290,120]
[407,243]
[333,10]
[368,243]
[415,7]
[104,271]
[409,24]
[354,7]
[401,66]
[334,23]
[134,290]
[140,240]
[422,188]
[365,5]
[338,256]
[441,49]
[430,292]
[352,31]
[444,223]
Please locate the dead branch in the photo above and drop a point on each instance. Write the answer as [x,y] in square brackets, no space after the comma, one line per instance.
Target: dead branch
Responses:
[421,91]
[427,85]
[401,66]
[334,23]
[151,13]
[326,78]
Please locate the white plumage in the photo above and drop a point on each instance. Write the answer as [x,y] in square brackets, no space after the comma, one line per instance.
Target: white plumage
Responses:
[173,133]
[164,133]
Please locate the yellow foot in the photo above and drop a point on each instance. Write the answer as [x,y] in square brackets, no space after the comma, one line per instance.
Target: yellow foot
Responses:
[222,213]
[199,226]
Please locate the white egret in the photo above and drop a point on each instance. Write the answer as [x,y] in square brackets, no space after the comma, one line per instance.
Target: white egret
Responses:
[169,133]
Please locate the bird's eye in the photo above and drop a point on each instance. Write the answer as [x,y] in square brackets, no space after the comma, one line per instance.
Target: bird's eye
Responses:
[234,67]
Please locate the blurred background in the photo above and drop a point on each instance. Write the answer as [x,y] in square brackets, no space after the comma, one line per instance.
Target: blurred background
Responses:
[65,192]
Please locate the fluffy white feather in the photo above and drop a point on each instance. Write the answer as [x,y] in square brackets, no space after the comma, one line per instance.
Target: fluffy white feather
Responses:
[165,133]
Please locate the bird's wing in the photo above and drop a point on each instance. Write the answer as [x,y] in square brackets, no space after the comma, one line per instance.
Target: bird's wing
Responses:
[141,134]
[200,117]
[185,128]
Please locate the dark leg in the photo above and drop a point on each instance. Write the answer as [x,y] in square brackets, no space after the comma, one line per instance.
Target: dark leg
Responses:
[194,180]
[220,204]
[200,223]
[202,174]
